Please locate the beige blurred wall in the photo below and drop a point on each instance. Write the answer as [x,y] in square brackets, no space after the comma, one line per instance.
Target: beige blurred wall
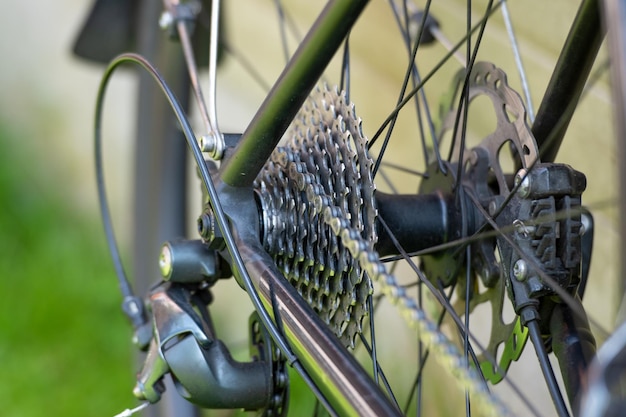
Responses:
[46,95]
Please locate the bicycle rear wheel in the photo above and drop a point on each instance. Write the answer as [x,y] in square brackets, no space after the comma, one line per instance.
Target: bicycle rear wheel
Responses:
[464,215]
[414,155]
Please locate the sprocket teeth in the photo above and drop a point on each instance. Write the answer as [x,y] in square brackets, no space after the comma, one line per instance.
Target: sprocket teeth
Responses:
[322,165]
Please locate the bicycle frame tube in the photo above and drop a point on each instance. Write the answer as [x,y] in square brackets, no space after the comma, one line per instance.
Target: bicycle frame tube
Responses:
[568,80]
[339,377]
[290,91]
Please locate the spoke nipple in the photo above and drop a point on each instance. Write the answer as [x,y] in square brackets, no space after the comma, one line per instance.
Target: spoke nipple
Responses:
[520,270]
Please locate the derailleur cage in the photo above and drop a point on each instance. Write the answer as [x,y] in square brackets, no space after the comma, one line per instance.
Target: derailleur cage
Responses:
[184,343]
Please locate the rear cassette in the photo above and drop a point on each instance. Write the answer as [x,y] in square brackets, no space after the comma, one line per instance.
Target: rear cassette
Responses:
[323,163]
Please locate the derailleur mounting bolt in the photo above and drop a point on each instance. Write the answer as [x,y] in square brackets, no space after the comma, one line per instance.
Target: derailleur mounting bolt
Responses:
[206,225]
[520,270]
[209,231]
[523,182]
[165,261]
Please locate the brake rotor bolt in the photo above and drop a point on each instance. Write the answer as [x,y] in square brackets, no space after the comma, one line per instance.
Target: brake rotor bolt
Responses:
[523,182]
[520,270]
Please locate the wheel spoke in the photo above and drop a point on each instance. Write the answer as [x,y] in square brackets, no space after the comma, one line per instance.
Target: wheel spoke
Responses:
[409,95]
[518,60]
[405,82]
[282,25]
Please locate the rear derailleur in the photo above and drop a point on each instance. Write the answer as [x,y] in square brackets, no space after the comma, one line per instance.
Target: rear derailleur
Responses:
[184,343]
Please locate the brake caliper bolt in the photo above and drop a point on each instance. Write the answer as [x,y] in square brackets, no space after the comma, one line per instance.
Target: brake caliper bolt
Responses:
[520,270]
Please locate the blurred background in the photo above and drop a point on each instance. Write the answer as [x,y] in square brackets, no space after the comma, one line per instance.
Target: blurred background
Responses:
[64,343]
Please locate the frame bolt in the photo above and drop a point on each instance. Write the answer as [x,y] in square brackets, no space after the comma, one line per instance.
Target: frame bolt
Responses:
[520,270]
[206,225]
[523,182]
[213,145]
[209,231]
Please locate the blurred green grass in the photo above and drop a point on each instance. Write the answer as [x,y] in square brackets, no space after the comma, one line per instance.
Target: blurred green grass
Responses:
[64,344]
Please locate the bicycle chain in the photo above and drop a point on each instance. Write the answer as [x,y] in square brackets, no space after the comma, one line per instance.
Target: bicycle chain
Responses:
[309,226]
[263,348]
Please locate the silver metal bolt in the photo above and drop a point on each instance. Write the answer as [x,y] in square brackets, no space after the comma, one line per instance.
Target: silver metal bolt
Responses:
[523,182]
[523,229]
[585,221]
[165,261]
[493,207]
[205,226]
[212,145]
[133,308]
[520,270]
[486,272]
[166,20]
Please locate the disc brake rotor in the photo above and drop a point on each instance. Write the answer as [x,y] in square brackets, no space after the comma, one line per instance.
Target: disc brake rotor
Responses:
[323,164]
[482,173]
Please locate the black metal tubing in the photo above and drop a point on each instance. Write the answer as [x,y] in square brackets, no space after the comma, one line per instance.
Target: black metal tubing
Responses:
[160,170]
[574,346]
[568,80]
[572,341]
[341,380]
[417,221]
[290,91]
